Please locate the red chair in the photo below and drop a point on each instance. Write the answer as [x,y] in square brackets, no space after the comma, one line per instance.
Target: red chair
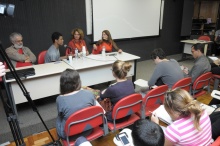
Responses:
[200,83]
[205,38]
[216,142]
[128,105]
[95,51]
[184,83]
[41,57]
[67,51]
[152,100]
[85,119]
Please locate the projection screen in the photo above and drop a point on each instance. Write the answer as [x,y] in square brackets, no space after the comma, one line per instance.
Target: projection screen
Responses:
[126,18]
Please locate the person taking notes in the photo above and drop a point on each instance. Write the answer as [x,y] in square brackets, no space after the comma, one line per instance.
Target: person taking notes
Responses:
[191,124]
[166,72]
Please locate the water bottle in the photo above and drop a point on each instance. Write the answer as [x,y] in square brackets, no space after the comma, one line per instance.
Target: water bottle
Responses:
[84,52]
[76,53]
[103,51]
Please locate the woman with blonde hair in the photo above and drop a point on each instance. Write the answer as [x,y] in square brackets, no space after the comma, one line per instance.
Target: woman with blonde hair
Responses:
[191,124]
[121,88]
[106,42]
[77,41]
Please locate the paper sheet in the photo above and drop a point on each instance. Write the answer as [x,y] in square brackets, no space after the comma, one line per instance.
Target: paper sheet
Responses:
[101,58]
[216,94]
[162,114]
[141,83]
[208,109]
[213,58]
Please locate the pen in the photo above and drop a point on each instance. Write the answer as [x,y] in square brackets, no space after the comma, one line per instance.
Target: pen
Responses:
[217,94]
[152,113]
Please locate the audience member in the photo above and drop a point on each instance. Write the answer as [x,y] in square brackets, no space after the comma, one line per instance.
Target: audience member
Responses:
[2,69]
[215,121]
[19,54]
[215,69]
[53,53]
[217,36]
[143,133]
[201,64]
[191,124]
[71,99]
[166,71]
[147,133]
[106,42]
[217,42]
[78,41]
[121,88]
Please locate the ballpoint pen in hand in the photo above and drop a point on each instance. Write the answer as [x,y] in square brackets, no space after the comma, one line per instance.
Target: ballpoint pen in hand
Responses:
[152,113]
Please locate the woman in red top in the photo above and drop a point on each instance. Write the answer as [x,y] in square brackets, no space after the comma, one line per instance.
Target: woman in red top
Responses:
[77,41]
[106,42]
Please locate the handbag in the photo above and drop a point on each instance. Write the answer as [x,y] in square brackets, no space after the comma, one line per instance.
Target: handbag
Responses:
[106,104]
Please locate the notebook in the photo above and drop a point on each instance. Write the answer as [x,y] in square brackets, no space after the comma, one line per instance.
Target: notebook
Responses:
[216,94]
[162,114]
[22,73]
[208,109]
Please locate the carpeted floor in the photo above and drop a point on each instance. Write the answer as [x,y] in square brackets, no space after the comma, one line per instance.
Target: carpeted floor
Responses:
[30,122]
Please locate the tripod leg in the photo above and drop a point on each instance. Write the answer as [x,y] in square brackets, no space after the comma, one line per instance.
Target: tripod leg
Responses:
[12,101]
[13,123]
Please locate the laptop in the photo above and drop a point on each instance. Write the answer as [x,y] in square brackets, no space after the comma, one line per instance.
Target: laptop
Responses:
[22,73]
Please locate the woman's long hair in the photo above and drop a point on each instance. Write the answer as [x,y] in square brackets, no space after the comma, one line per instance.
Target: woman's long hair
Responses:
[181,101]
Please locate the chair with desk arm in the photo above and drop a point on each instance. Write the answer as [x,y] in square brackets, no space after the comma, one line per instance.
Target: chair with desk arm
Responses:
[88,118]
[200,83]
[205,38]
[152,100]
[128,105]
[184,83]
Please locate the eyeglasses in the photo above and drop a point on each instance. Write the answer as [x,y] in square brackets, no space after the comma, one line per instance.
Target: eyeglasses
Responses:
[19,41]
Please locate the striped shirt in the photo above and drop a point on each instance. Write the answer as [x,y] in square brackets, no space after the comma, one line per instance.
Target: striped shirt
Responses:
[182,132]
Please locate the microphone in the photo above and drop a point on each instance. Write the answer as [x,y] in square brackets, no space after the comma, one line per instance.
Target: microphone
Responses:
[70,49]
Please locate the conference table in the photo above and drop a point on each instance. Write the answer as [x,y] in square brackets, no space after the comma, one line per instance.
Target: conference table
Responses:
[188,45]
[93,69]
